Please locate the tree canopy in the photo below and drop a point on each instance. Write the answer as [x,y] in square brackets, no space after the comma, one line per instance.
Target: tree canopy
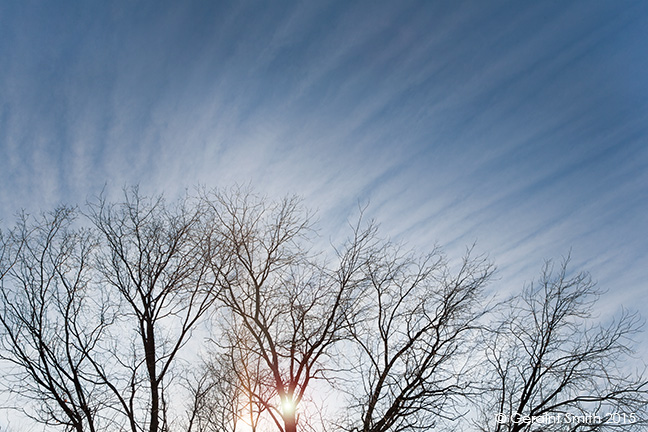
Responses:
[222,312]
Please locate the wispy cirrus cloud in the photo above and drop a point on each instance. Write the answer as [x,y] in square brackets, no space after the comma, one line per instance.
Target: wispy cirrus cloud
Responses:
[519,126]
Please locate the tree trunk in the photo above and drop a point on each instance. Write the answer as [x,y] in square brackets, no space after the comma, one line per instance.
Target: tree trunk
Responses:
[149,353]
[290,422]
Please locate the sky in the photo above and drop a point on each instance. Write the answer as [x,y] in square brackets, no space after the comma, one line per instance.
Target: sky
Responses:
[521,126]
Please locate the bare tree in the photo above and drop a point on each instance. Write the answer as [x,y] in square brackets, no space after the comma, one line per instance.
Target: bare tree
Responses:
[553,368]
[51,319]
[214,403]
[153,256]
[287,306]
[226,395]
[411,347]
[93,319]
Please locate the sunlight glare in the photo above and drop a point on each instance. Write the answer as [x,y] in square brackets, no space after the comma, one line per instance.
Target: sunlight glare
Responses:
[287,405]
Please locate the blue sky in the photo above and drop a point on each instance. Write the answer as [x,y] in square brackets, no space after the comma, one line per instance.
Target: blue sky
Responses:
[520,125]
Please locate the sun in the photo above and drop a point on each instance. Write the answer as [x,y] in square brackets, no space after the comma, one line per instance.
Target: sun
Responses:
[288,405]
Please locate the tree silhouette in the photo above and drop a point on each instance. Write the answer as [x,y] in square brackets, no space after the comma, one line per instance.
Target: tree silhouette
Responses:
[412,342]
[547,359]
[94,317]
[285,308]
[152,257]
[52,320]
[97,306]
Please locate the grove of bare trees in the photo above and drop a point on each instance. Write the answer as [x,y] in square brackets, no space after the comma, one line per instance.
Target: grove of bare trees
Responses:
[224,312]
